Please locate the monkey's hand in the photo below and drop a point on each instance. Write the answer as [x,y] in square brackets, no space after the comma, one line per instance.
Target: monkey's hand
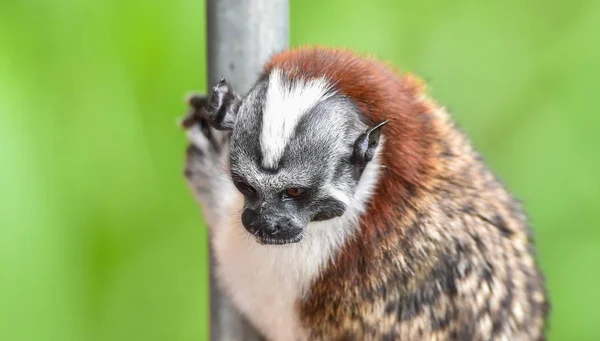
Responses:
[207,156]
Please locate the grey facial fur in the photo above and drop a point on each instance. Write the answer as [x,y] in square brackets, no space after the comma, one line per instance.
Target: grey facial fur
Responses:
[316,159]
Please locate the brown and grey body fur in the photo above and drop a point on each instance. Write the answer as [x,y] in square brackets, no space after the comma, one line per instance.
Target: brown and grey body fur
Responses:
[458,264]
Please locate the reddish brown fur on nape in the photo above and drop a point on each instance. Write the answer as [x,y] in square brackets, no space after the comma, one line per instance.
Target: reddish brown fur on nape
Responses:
[381,95]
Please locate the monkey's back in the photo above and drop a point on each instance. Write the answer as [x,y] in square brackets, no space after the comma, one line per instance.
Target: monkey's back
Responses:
[452,260]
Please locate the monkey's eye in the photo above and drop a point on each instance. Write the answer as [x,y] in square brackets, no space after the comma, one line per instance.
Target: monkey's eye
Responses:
[294,193]
[246,189]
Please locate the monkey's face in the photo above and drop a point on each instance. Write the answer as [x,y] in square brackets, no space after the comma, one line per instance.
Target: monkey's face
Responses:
[290,157]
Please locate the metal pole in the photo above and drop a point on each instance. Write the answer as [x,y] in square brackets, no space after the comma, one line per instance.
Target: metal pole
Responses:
[241,36]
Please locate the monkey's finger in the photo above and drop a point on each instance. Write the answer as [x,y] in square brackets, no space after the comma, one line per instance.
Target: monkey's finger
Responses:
[222,106]
[196,114]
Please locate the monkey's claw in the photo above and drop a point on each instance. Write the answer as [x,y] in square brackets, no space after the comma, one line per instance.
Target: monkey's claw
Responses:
[219,110]
[223,106]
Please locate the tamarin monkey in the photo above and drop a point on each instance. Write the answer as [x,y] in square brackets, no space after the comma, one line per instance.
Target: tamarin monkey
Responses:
[344,204]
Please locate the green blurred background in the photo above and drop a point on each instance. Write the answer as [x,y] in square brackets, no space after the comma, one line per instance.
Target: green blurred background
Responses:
[99,237]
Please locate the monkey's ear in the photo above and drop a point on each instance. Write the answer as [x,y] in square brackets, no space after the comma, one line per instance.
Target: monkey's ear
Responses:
[365,145]
[223,106]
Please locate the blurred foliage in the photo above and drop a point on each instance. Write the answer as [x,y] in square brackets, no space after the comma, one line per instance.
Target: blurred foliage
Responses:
[99,237]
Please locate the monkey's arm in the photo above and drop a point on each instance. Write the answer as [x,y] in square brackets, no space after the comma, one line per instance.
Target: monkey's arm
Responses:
[207,156]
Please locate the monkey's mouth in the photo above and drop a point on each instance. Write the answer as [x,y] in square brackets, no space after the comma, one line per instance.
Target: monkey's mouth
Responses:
[278,241]
[287,238]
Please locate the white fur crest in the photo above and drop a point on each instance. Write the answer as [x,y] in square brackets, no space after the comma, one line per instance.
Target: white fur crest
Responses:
[285,105]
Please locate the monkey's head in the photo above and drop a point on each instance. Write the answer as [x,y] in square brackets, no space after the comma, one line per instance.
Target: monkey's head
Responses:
[298,151]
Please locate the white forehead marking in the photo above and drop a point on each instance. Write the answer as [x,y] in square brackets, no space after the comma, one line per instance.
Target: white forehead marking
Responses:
[285,105]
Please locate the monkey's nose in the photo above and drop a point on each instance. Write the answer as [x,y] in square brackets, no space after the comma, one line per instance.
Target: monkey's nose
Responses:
[258,224]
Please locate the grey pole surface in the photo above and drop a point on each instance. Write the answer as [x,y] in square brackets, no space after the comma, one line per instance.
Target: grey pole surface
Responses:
[241,36]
